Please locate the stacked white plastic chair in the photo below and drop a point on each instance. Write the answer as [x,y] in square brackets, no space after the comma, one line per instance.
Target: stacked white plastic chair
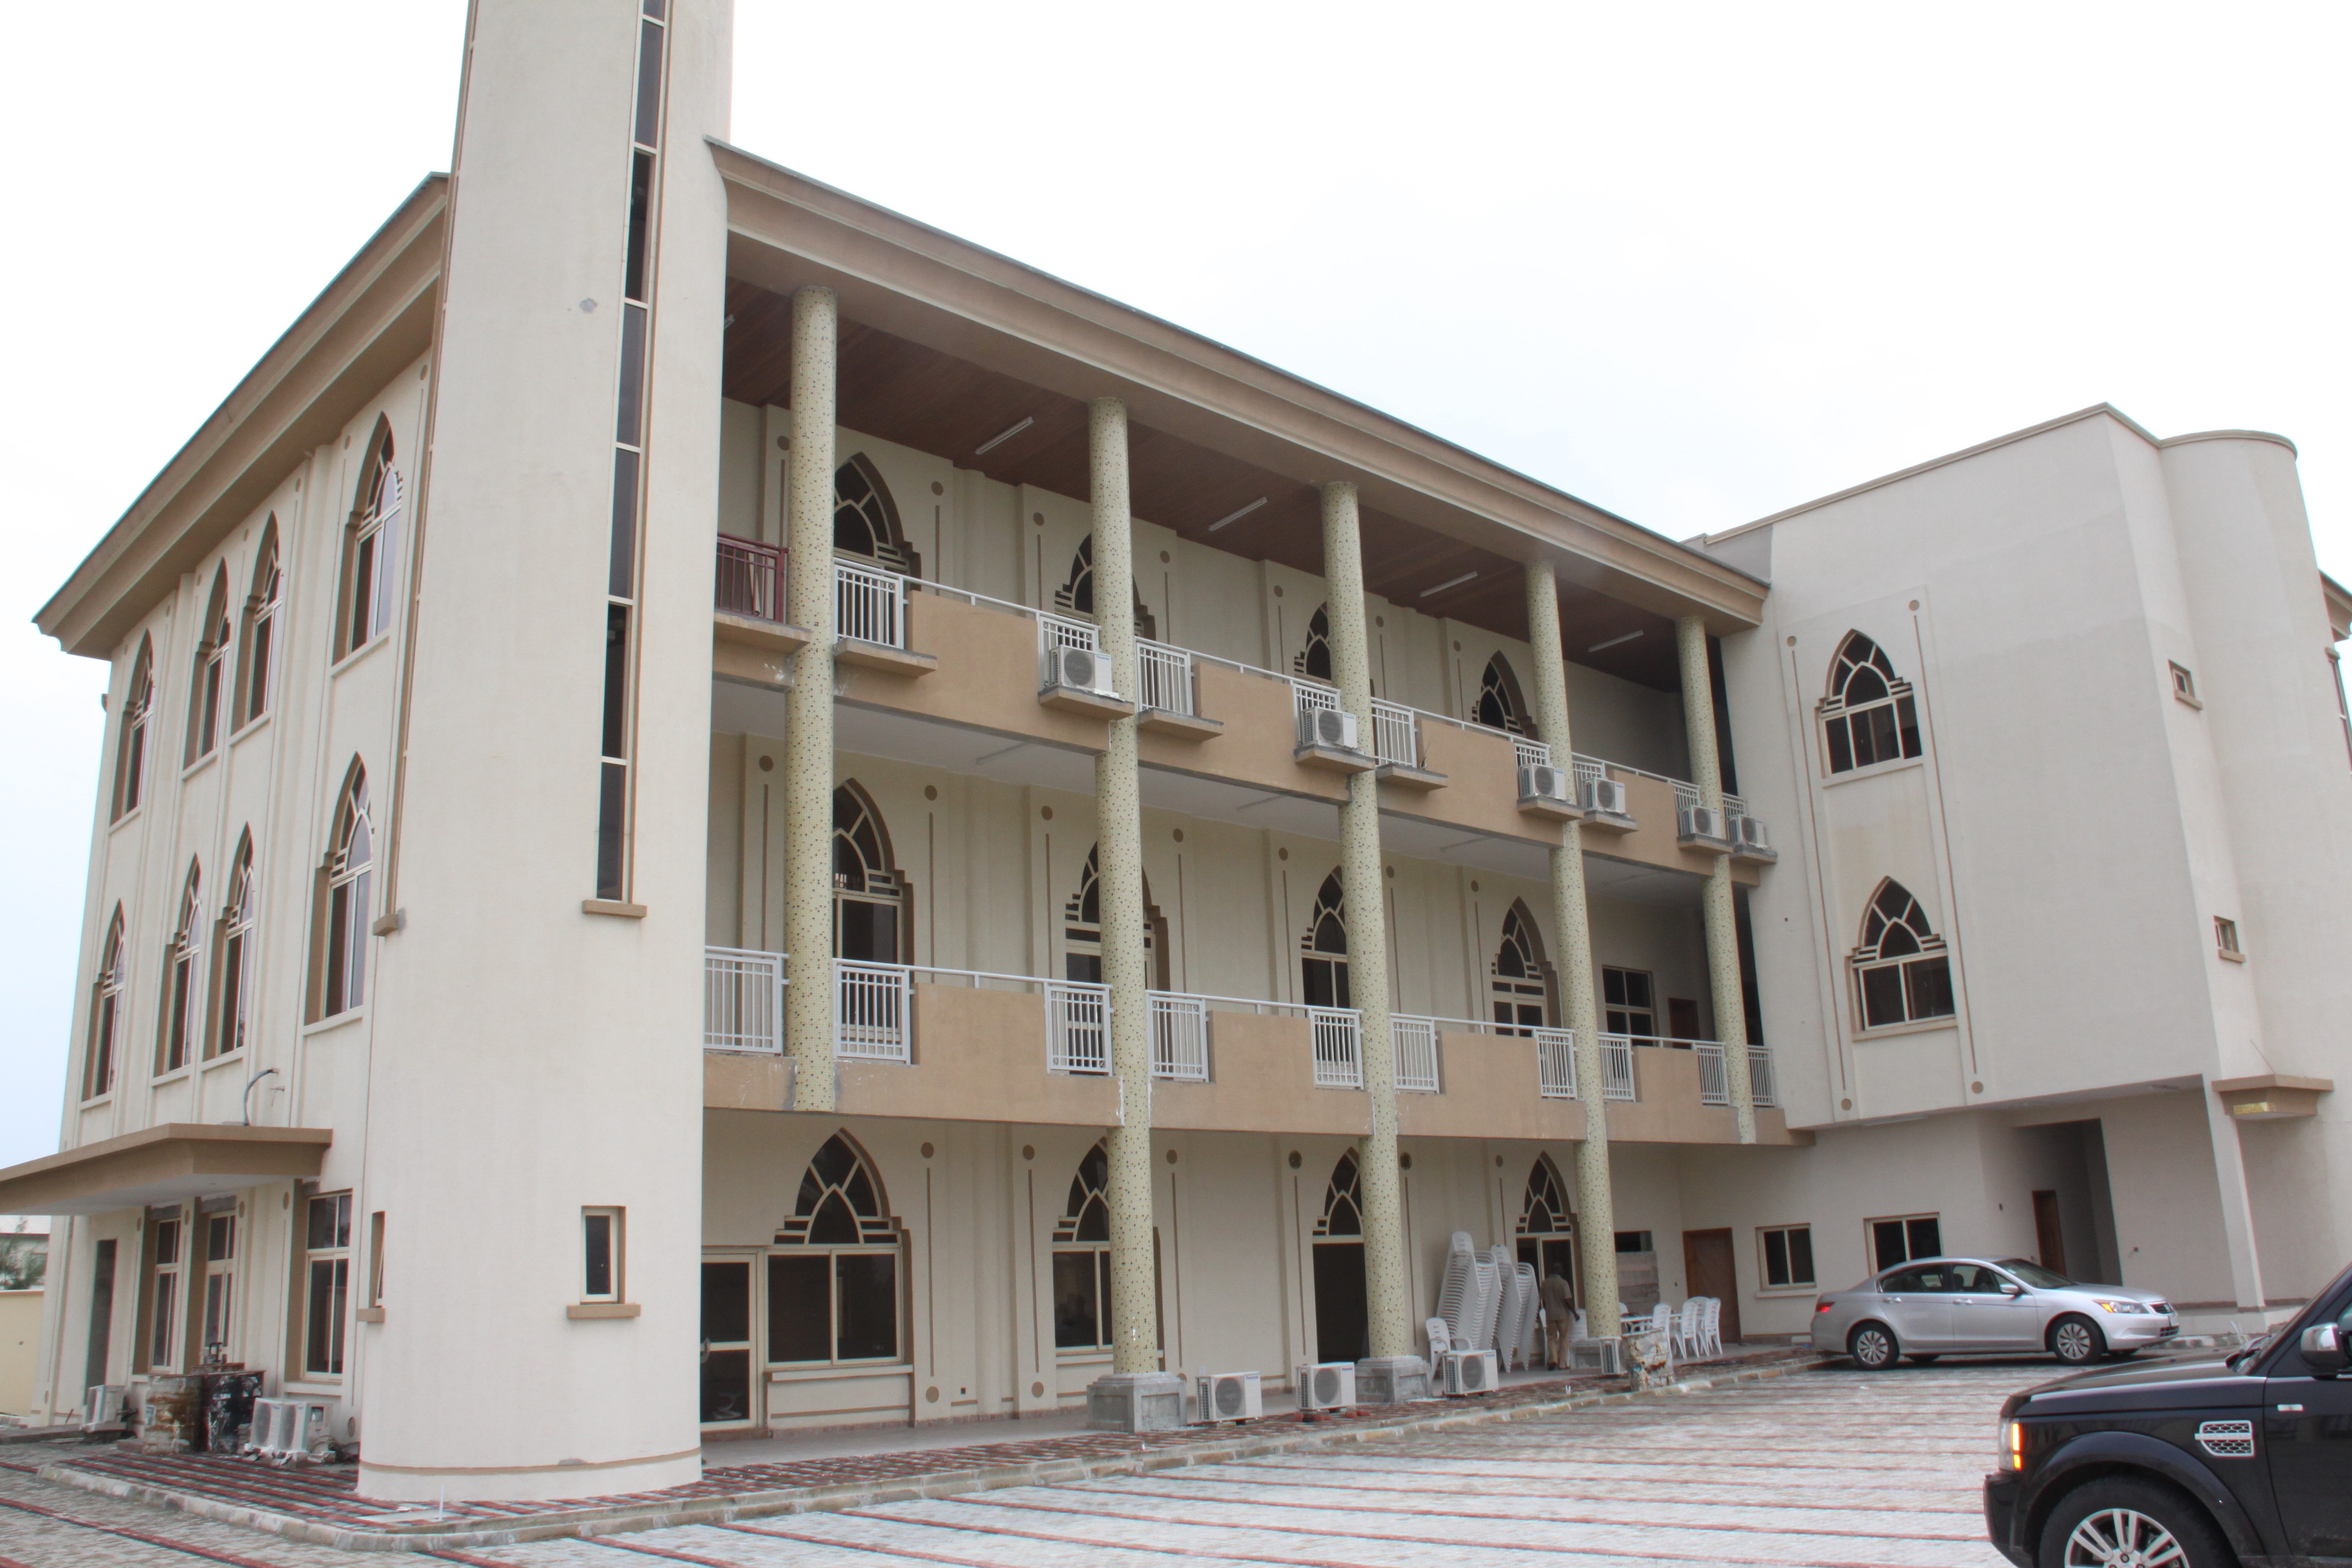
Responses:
[1512,1306]
[1458,1292]
[1488,1277]
[1690,1331]
[1714,1327]
[1531,1320]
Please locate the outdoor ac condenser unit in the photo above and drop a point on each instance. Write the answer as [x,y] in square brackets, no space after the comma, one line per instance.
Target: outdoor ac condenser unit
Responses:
[1748,833]
[287,1429]
[1230,1396]
[1469,1372]
[1604,796]
[1702,822]
[1328,728]
[1075,669]
[102,1405]
[1326,1385]
[1542,781]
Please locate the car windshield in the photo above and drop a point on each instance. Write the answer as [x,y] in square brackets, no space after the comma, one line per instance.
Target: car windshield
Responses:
[2033,1274]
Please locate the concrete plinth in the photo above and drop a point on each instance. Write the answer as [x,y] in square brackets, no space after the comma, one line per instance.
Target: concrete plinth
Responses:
[1391,1380]
[1136,1402]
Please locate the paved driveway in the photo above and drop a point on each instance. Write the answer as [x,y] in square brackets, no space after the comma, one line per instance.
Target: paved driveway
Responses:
[1832,1468]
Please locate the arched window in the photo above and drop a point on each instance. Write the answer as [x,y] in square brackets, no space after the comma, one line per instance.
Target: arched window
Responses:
[833,1279]
[204,681]
[1520,978]
[1082,928]
[1343,1208]
[233,978]
[1901,972]
[1500,705]
[865,520]
[255,662]
[131,744]
[1076,594]
[105,1013]
[1315,658]
[869,898]
[1868,716]
[1082,1258]
[1323,969]
[371,549]
[1547,1231]
[347,876]
[181,997]
[1342,1309]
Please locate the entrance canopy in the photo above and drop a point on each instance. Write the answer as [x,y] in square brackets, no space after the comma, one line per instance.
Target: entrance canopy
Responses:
[160,1164]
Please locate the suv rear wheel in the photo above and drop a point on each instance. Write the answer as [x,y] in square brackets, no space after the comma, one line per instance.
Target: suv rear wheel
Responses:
[2076,1340]
[1873,1347]
[2123,1521]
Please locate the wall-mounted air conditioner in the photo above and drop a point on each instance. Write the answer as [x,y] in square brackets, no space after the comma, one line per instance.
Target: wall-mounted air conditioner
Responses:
[1604,796]
[101,1407]
[1747,835]
[1326,1384]
[1541,784]
[286,1429]
[1229,1396]
[1075,669]
[1328,728]
[1703,822]
[1467,1372]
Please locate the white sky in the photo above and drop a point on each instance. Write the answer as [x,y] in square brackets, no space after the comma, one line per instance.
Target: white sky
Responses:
[1693,264]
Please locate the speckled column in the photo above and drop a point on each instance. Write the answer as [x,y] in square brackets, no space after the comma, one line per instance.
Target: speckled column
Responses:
[1119,835]
[1385,1283]
[808,718]
[1722,928]
[1580,1009]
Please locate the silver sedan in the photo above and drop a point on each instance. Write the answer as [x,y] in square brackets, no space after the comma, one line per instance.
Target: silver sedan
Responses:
[1949,1306]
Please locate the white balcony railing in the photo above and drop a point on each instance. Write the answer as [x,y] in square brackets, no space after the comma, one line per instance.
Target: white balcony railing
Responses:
[869,605]
[1531,753]
[1617,1068]
[1714,1083]
[1395,737]
[1415,1054]
[1179,1038]
[1761,1089]
[1078,1026]
[1338,1061]
[742,999]
[1305,695]
[1060,631]
[1165,674]
[1556,1063]
[872,1011]
[1686,797]
[750,580]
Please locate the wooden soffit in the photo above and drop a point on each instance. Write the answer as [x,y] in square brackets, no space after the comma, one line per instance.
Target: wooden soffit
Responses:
[161,1164]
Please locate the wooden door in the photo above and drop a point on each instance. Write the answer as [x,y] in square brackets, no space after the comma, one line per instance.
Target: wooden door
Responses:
[1342,1312]
[1707,1270]
[2047,1234]
[1682,1021]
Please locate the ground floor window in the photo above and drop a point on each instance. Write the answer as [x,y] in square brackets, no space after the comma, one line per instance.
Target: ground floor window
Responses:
[220,1279]
[1547,1239]
[1904,1238]
[834,1279]
[326,1282]
[1082,1258]
[164,1296]
[1788,1255]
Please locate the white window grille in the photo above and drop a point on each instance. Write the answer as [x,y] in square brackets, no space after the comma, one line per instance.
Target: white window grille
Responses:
[1556,1063]
[1532,753]
[1078,1026]
[1617,1068]
[1338,1064]
[1714,1082]
[1588,770]
[1396,737]
[1179,1038]
[1760,1086]
[742,999]
[1166,674]
[1305,697]
[869,605]
[1686,797]
[870,1011]
[1416,1047]
[1060,631]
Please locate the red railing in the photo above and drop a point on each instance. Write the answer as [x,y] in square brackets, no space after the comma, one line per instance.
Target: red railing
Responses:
[750,578]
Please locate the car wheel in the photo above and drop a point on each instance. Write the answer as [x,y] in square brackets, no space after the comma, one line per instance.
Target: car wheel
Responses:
[2076,1340]
[2123,1519]
[1872,1347]
[1923,1361]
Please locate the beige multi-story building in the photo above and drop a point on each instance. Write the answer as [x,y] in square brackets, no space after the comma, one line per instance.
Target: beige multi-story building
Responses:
[647,883]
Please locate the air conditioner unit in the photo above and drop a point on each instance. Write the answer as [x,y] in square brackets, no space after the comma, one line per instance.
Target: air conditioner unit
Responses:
[102,1405]
[1229,1396]
[1467,1372]
[1328,728]
[1606,795]
[1542,781]
[1703,822]
[1075,669]
[1748,834]
[288,1429]
[1325,1385]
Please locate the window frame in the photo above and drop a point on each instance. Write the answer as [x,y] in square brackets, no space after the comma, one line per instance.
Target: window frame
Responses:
[102,1055]
[206,680]
[1765,1234]
[220,1283]
[2184,684]
[167,1295]
[613,1220]
[177,1018]
[879,1235]
[1070,1240]
[258,657]
[1834,715]
[1927,962]
[2225,939]
[1870,1238]
[335,1260]
[368,604]
[132,745]
[346,906]
[1628,1009]
[231,1013]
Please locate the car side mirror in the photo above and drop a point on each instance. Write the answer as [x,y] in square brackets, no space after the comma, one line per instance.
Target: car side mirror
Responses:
[2324,1348]
[2012,1289]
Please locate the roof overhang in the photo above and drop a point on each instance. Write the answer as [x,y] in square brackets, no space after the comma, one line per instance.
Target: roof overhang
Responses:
[161,1164]
[375,317]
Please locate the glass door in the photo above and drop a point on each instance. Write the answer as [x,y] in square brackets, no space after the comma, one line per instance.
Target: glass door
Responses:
[728,1387]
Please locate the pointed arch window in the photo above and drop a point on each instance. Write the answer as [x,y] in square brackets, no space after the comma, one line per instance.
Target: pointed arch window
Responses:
[205,683]
[256,662]
[1082,928]
[232,975]
[1343,1204]
[131,745]
[1082,1258]
[370,559]
[1901,970]
[347,879]
[1546,1232]
[1323,963]
[1870,715]
[869,898]
[865,520]
[833,1278]
[1315,658]
[1519,978]
[1500,704]
[1076,594]
[182,997]
[105,1013]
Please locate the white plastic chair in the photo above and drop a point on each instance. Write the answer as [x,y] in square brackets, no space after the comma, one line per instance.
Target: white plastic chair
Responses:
[1690,1329]
[1440,1338]
[1577,1327]
[1713,1326]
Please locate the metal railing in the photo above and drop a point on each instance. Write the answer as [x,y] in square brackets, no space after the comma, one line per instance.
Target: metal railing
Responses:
[1339,1060]
[742,999]
[1414,1048]
[1556,1063]
[1307,696]
[1531,753]
[1395,737]
[869,605]
[1714,1082]
[1179,1038]
[750,578]
[1078,1026]
[1686,797]
[1761,1087]
[1165,674]
[1617,1068]
[1060,631]
[872,1011]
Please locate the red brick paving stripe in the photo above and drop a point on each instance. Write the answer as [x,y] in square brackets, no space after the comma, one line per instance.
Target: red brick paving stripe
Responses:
[1128,1489]
[807,1539]
[619,1545]
[140,1536]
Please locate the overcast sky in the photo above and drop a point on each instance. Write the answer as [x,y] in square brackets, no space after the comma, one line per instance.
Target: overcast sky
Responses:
[1695,264]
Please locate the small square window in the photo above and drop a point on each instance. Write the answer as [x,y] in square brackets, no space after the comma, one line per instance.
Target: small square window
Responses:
[2184,686]
[1787,1256]
[600,1238]
[2225,939]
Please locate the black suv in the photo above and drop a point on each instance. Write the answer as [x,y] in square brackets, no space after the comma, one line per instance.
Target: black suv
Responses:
[2190,1463]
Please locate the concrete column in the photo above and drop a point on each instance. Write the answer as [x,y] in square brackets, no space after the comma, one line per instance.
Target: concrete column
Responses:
[1394,1371]
[2237,1207]
[1722,928]
[808,721]
[1580,1009]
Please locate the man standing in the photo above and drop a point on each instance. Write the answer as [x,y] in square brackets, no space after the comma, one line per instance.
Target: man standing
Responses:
[1558,1307]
